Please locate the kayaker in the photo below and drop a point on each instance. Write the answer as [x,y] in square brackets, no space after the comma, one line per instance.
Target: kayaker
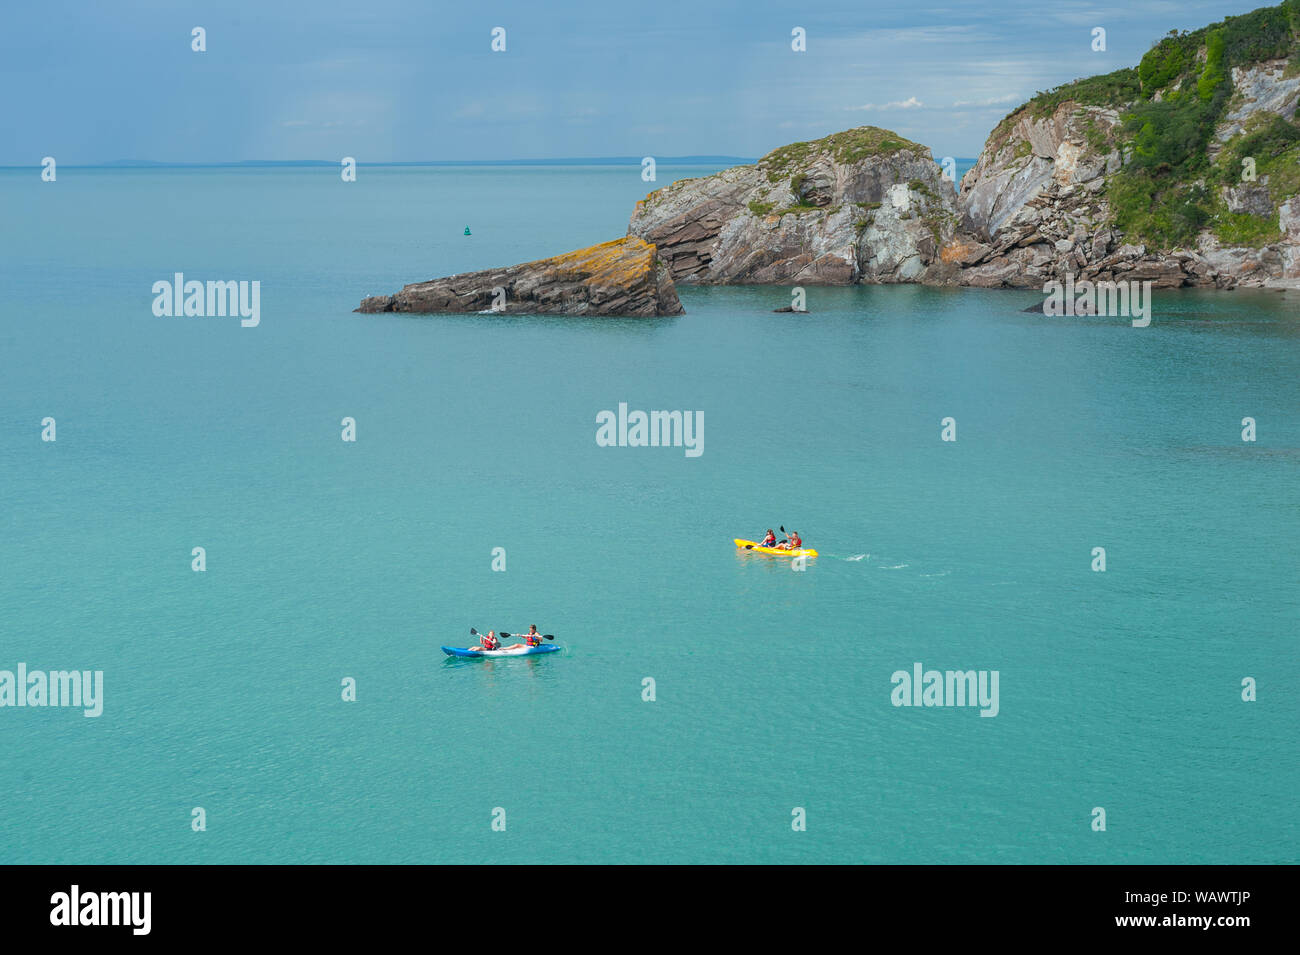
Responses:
[795,542]
[769,540]
[488,641]
[531,639]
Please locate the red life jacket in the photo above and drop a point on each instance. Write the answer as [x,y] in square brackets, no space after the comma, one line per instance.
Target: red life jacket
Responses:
[533,639]
[489,643]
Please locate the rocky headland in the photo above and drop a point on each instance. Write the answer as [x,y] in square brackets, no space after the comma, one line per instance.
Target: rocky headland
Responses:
[621,277]
[1181,171]
[864,205]
[1184,170]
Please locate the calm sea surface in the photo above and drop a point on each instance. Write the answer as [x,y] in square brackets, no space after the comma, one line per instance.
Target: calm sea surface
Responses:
[329,560]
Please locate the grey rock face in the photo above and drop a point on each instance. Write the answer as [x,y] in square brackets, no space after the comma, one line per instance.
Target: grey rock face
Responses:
[859,206]
[1261,88]
[1251,198]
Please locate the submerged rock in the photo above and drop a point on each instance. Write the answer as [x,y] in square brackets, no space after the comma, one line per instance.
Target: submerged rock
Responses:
[864,205]
[1077,308]
[621,277]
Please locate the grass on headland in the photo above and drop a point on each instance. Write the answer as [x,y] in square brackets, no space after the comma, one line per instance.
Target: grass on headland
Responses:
[849,146]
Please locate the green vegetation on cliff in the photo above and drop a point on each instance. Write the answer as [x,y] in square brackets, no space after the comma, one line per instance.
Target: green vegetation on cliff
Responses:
[1274,146]
[1113,90]
[1265,34]
[1170,105]
[1161,195]
[1270,148]
[1109,89]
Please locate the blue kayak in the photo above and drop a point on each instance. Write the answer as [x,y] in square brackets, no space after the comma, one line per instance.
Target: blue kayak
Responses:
[525,652]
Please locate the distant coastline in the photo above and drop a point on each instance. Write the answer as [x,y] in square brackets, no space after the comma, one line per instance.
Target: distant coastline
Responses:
[263,163]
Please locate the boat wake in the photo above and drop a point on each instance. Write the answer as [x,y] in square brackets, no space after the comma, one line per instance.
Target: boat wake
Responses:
[884,563]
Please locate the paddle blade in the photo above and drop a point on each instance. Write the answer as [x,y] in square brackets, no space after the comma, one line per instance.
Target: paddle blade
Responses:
[548,636]
[473,631]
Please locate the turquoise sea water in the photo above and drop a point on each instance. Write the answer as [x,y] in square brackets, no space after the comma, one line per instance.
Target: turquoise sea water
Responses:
[328,560]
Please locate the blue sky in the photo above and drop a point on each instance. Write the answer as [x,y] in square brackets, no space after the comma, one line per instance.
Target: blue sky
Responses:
[393,80]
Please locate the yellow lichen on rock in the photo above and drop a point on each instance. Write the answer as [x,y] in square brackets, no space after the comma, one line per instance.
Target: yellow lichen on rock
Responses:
[619,277]
[618,262]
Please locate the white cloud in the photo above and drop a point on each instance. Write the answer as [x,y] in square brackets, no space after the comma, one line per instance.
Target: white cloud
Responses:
[992,100]
[910,103]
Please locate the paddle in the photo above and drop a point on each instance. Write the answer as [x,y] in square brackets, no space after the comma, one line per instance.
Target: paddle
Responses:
[787,540]
[544,636]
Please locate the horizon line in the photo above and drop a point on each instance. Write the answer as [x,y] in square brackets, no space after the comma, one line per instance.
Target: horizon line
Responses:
[562,161]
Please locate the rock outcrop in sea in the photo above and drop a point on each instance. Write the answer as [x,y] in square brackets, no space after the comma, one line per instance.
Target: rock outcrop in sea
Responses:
[864,205]
[621,277]
[1184,170]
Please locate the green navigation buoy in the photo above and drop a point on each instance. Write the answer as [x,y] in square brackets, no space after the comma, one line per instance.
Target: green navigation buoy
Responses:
[467,232]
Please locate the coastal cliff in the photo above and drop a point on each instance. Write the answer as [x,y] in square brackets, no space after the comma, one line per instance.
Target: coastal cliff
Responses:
[621,277]
[1183,171]
[864,205]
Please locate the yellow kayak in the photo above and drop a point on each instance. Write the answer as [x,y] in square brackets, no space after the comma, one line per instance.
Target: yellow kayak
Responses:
[778,551]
